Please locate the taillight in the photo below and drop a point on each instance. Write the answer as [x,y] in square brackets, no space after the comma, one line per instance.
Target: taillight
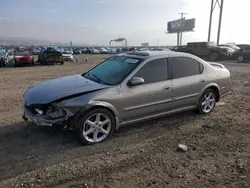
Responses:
[225,86]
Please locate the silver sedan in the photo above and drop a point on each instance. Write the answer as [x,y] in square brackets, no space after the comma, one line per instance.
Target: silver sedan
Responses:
[126,89]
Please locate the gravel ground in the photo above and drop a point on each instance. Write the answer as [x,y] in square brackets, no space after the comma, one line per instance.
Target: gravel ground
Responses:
[140,155]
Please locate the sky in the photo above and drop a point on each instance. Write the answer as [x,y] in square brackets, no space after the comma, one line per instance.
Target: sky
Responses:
[98,21]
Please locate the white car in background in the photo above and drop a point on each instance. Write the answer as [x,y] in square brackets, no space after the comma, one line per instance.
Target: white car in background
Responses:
[9,57]
[68,57]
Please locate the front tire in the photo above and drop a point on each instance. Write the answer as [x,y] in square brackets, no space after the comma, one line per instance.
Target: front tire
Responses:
[207,102]
[95,126]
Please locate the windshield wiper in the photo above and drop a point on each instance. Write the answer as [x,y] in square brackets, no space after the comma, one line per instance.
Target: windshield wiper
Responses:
[93,77]
[97,78]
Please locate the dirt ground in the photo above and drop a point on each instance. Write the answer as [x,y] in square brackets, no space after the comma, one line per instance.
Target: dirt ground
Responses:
[140,155]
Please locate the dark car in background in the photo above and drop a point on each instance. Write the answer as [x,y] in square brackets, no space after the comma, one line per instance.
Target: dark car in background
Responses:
[244,46]
[207,50]
[77,51]
[242,55]
[92,50]
[23,57]
[179,48]
[51,55]
[230,51]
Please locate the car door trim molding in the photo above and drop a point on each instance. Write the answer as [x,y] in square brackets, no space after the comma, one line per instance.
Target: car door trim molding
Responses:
[157,115]
[186,96]
[147,105]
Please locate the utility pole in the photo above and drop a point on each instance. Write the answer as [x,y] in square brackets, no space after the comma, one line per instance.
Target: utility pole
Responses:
[210,20]
[219,27]
[213,5]
[182,13]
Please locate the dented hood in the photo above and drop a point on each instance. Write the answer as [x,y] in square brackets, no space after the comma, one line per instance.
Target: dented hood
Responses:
[60,88]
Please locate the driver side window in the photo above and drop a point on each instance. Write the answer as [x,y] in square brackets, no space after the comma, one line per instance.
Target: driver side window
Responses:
[154,71]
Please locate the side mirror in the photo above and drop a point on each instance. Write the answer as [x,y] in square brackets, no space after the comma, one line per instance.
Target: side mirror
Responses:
[135,81]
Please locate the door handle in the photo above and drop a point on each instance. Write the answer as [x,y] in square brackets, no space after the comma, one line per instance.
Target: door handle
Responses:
[202,81]
[166,88]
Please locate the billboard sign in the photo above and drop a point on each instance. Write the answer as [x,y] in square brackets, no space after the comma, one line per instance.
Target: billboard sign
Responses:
[181,25]
[146,44]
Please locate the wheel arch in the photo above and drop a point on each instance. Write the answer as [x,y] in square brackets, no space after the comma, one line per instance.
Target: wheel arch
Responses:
[108,106]
[214,87]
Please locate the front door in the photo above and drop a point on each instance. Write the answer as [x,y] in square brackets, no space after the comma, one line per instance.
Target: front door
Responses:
[189,79]
[152,97]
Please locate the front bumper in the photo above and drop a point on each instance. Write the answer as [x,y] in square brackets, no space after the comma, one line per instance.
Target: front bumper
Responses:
[42,120]
[68,59]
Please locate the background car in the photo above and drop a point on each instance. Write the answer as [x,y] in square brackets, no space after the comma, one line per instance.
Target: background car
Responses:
[230,50]
[23,57]
[112,50]
[92,50]
[233,46]
[36,51]
[77,51]
[244,46]
[102,50]
[182,48]
[50,55]
[207,50]
[67,51]
[67,57]
[242,55]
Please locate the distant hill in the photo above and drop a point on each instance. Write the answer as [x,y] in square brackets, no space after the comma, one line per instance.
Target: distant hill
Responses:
[22,41]
[37,32]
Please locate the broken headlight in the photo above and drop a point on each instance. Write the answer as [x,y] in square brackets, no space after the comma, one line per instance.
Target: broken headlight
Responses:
[54,112]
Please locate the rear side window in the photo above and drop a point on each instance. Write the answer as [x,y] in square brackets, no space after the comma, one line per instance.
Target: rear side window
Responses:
[154,71]
[185,66]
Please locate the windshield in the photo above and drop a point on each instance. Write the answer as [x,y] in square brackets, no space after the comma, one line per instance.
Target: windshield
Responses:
[234,47]
[113,70]
[22,53]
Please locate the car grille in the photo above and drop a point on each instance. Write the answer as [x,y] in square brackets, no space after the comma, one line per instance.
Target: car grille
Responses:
[24,59]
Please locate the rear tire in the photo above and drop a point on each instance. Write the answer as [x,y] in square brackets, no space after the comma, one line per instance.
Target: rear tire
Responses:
[91,130]
[207,102]
[240,59]
[62,62]
[33,62]
[213,56]
[15,64]
[2,63]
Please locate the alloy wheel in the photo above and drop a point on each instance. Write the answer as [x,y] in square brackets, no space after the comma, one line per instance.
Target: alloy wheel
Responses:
[208,102]
[96,127]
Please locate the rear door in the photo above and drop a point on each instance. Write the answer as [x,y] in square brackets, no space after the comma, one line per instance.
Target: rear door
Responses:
[189,78]
[246,53]
[152,97]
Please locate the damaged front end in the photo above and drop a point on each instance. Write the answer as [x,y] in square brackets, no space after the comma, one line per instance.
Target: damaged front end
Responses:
[46,115]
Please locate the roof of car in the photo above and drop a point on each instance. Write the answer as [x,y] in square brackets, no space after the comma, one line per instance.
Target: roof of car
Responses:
[149,54]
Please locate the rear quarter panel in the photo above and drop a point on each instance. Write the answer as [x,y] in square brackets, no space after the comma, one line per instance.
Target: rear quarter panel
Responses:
[221,77]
